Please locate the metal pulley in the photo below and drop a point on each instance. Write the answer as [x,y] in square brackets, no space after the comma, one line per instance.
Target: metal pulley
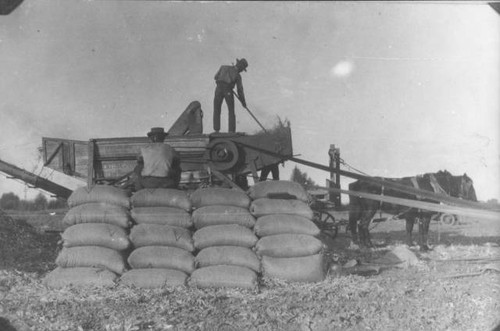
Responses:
[222,154]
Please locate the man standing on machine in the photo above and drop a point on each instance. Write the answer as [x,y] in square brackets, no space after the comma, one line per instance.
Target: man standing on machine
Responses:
[226,78]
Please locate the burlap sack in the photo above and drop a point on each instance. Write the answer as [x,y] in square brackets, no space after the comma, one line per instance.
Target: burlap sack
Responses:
[99,193]
[283,223]
[153,278]
[219,196]
[229,276]
[309,269]
[161,197]
[98,212]
[162,215]
[224,235]
[162,257]
[288,245]
[91,256]
[228,255]
[220,214]
[161,235]
[96,234]
[268,189]
[80,277]
[264,206]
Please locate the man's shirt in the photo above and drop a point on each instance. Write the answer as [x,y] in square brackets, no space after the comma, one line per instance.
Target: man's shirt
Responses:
[158,159]
[230,76]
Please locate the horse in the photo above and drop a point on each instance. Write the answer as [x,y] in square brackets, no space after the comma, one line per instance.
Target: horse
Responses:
[362,210]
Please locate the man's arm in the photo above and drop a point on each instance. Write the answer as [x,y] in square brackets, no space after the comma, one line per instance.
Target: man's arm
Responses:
[176,160]
[216,77]
[140,165]
[239,88]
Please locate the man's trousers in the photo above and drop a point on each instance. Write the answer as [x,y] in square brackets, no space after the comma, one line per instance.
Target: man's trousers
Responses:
[222,94]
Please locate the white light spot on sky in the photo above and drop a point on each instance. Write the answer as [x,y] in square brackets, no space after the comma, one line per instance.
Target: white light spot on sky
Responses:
[342,69]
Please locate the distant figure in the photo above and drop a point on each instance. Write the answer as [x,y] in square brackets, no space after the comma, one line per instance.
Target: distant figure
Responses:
[226,78]
[158,165]
[273,168]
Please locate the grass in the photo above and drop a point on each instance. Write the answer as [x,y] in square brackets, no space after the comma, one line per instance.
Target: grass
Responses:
[416,298]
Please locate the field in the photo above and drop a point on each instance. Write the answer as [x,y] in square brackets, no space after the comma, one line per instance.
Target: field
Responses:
[455,286]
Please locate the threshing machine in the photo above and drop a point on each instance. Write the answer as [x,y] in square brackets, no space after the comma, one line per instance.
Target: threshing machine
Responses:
[204,157]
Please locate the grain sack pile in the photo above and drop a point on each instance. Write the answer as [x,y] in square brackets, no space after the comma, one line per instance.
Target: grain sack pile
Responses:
[287,244]
[224,240]
[95,240]
[162,242]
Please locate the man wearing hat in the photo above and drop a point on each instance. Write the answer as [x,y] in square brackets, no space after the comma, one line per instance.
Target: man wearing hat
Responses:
[226,78]
[158,164]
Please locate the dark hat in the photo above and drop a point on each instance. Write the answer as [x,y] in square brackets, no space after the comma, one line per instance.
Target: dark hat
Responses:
[157,131]
[243,64]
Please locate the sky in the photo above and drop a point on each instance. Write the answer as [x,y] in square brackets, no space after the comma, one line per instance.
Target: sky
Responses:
[401,88]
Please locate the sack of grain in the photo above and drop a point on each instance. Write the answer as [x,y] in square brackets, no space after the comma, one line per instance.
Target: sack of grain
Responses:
[268,189]
[161,197]
[161,235]
[96,234]
[219,196]
[264,206]
[284,223]
[224,276]
[220,214]
[91,256]
[97,212]
[99,193]
[224,235]
[162,215]
[228,255]
[288,245]
[80,277]
[154,278]
[310,268]
[162,257]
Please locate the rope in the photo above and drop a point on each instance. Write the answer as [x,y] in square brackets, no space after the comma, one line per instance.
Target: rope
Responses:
[343,162]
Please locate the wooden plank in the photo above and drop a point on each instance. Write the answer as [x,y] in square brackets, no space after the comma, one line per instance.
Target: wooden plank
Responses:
[81,160]
[130,148]
[52,155]
[66,156]
[457,210]
[90,166]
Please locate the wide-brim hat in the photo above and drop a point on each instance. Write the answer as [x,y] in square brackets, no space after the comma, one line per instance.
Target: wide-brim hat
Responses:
[242,63]
[157,132]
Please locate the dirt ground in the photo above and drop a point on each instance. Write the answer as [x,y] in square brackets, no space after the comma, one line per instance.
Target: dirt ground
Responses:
[455,286]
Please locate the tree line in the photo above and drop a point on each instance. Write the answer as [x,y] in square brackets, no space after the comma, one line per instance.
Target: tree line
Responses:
[10,201]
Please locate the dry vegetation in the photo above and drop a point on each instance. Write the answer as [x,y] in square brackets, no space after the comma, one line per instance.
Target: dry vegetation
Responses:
[454,287]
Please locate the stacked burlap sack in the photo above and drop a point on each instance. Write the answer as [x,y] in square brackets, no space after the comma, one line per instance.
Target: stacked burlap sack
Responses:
[96,239]
[162,241]
[287,244]
[224,239]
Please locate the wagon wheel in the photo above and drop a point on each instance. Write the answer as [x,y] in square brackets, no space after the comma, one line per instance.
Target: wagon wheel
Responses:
[326,223]
[448,219]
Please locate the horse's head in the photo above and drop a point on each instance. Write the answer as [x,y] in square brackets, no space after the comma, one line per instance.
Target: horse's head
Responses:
[457,186]
[467,190]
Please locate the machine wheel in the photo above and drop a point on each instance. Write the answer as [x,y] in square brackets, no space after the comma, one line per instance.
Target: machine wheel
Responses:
[222,154]
[326,223]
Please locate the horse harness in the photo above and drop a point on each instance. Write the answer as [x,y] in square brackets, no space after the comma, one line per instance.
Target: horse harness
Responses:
[436,187]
